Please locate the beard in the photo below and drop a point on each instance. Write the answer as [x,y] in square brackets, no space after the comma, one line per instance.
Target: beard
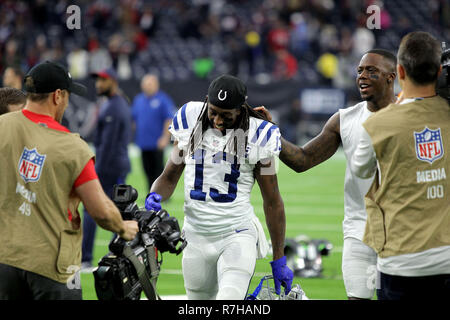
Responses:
[367,97]
[60,113]
[105,92]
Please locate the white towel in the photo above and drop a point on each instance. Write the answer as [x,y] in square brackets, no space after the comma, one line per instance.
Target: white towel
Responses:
[262,246]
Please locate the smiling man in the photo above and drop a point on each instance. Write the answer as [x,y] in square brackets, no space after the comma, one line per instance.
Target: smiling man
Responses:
[375,80]
[408,212]
[224,146]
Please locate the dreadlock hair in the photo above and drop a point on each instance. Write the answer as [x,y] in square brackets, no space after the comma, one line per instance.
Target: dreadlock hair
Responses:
[242,123]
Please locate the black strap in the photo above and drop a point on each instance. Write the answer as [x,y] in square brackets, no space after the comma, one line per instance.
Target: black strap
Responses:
[151,253]
[148,282]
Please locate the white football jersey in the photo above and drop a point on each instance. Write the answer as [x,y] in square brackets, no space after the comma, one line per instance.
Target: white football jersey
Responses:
[355,188]
[217,185]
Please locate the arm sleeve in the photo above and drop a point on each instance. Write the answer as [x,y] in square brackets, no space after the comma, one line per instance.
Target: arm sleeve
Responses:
[86,175]
[364,162]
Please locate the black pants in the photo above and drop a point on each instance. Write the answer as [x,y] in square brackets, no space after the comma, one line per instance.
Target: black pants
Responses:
[18,284]
[414,288]
[152,161]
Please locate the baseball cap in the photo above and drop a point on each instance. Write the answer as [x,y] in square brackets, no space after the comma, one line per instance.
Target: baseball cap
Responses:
[49,76]
[106,73]
[227,92]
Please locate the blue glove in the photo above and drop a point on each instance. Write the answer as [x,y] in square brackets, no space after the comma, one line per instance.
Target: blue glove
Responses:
[282,275]
[153,201]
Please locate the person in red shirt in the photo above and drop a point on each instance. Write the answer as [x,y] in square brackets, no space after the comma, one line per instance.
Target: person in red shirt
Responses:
[42,244]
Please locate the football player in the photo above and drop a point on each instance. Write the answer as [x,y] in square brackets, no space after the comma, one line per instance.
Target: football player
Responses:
[375,80]
[223,146]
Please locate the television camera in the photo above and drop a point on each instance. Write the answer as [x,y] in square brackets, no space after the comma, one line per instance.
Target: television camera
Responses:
[133,266]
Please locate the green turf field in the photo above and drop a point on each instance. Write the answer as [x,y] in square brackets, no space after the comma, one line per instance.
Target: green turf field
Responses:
[314,207]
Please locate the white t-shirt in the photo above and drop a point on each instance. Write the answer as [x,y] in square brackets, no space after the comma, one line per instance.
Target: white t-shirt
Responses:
[217,185]
[355,188]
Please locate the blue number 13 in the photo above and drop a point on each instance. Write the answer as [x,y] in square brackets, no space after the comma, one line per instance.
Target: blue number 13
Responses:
[231,178]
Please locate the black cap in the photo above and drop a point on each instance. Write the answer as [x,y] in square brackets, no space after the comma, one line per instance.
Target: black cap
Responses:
[227,92]
[48,76]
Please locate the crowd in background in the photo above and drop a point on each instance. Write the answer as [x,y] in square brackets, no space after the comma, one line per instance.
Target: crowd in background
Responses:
[318,41]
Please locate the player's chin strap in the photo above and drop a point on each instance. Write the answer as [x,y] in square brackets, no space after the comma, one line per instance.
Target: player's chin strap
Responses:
[255,293]
[147,281]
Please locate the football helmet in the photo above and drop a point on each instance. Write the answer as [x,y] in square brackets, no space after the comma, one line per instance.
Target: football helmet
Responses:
[304,255]
[264,291]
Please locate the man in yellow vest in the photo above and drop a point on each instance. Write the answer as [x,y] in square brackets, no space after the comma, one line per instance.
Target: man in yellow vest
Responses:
[44,173]
[408,206]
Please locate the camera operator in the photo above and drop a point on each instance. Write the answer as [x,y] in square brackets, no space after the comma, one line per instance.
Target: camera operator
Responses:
[46,171]
[408,202]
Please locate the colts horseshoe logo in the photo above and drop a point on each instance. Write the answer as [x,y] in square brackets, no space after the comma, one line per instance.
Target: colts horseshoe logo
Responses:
[224,96]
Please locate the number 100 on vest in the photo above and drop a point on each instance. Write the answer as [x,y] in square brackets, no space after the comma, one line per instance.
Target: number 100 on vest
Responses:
[434,192]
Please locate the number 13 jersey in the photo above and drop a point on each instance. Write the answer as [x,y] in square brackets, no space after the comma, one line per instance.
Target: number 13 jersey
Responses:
[217,185]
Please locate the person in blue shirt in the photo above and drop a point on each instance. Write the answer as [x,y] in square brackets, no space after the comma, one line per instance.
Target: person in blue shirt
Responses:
[152,113]
[113,133]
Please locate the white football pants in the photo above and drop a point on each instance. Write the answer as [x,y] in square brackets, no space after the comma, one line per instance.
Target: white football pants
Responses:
[220,266]
[359,268]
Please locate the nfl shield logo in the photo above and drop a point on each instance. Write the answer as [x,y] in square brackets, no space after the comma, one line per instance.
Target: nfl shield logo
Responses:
[429,145]
[30,165]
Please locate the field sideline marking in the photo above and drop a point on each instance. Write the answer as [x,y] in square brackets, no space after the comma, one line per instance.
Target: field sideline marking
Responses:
[105,243]
[178,272]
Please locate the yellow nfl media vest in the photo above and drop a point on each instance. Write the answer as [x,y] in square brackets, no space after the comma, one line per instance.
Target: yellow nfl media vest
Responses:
[38,167]
[409,210]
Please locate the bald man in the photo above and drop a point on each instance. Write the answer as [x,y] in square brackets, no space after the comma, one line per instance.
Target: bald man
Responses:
[152,112]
